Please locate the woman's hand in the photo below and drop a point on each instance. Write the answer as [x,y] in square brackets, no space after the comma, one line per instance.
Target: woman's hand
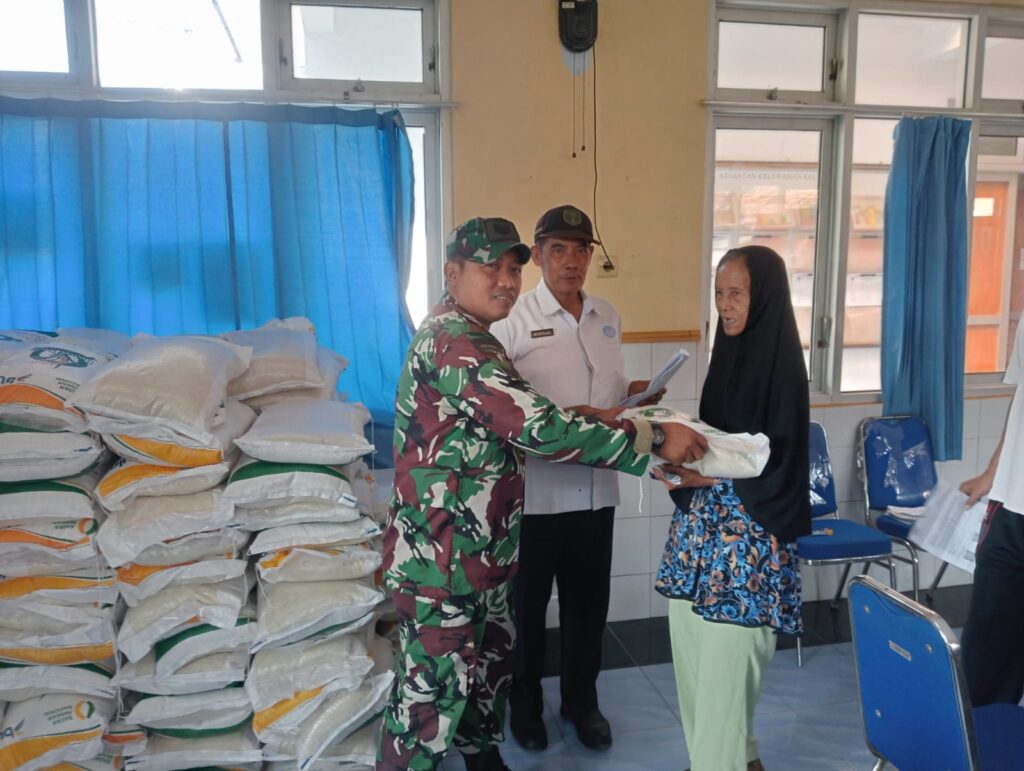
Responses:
[687,477]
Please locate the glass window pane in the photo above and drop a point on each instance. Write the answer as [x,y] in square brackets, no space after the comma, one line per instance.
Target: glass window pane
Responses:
[911,60]
[862,322]
[184,44]
[766,192]
[995,294]
[32,36]
[1004,61]
[789,57]
[348,43]
[417,294]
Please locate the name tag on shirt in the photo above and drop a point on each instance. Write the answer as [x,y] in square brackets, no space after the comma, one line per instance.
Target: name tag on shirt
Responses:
[542,333]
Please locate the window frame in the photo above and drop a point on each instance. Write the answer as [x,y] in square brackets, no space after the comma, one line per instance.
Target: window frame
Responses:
[76,20]
[829,60]
[1000,29]
[358,88]
[741,109]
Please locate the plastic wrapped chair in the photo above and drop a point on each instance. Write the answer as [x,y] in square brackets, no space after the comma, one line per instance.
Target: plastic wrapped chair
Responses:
[897,468]
[835,541]
[917,714]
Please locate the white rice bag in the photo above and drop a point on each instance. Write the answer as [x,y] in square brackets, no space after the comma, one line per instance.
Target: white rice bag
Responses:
[122,739]
[79,587]
[356,752]
[27,453]
[224,543]
[729,456]
[193,715]
[281,360]
[26,681]
[168,610]
[294,514]
[237,751]
[206,673]
[338,563]
[340,716]
[175,383]
[51,729]
[137,582]
[308,431]
[147,521]
[157,447]
[196,640]
[280,674]
[106,340]
[290,613]
[70,542]
[291,536]
[259,484]
[52,634]
[49,499]
[13,339]
[330,365]
[127,480]
[38,382]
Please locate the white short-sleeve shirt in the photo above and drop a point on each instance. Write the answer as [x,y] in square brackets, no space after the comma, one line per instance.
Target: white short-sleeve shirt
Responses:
[1008,485]
[570,363]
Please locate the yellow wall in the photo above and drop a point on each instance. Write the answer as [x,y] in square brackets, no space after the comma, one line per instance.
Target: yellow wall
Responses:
[512,139]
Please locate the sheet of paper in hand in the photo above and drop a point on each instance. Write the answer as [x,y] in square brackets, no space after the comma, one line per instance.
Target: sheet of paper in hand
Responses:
[729,456]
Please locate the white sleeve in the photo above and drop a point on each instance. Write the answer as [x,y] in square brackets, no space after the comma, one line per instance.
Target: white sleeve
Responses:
[1013,366]
[502,331]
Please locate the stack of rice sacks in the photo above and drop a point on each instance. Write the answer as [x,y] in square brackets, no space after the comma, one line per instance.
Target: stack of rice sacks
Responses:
[180,566]
[319,675]
[58,610]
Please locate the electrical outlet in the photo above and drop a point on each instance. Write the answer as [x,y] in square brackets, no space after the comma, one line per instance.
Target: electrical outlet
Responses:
[607,267]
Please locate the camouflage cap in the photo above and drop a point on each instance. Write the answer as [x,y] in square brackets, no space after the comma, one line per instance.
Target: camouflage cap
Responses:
[484,240]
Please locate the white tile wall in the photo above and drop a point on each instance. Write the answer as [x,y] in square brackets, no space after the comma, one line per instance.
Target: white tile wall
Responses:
[643,516]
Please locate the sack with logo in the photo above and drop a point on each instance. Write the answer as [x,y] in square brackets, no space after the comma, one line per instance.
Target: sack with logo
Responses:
[13,339]
[26,681]
[128,480]
[58,545]
[237,751]
[52,729]
[48,633]
[79,587]
[49,499]
[38,380]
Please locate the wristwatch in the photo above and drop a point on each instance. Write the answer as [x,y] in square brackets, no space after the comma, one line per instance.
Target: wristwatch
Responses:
[657,436]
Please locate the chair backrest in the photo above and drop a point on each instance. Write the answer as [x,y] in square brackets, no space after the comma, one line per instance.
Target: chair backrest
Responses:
[913,695]
[896,461]
[823,487]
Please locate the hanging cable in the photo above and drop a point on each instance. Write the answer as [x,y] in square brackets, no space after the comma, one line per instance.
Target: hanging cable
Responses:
[607,264]
[574,104]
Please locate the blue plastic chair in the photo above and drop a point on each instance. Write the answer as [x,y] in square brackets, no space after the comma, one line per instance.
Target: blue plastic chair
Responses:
[917,714]
[897,468]
[835,541]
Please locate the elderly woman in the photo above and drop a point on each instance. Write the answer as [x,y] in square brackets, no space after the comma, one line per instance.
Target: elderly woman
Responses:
[730,562]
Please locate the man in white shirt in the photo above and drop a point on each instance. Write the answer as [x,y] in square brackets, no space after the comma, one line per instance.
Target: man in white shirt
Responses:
[568,344]
[993,637]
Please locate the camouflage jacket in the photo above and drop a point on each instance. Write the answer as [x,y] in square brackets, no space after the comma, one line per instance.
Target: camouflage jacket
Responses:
[464,419]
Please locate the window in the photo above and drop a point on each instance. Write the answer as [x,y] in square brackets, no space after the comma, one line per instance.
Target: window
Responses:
[360,46]
[895,61]
[186,44]
[275,51]
[33,36]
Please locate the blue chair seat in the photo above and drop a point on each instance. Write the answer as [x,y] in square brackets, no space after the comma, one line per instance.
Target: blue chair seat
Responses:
[842,539]
[894,526]
[999,731]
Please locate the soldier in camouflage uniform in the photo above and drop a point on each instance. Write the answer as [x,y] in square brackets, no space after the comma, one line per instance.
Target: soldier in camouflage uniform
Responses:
[464,420]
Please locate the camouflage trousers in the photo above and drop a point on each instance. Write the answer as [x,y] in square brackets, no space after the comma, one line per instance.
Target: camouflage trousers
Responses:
[454,670]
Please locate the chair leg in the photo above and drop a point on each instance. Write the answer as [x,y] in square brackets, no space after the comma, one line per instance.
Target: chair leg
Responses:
[892,573]
[879,765]
[842,583]
[930,594]
[799,653]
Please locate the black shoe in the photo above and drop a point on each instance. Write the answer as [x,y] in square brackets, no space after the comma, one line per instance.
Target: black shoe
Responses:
[529,731]
[488,760]
[592,729]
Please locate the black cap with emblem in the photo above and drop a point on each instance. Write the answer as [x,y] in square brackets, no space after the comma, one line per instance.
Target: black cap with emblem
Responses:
[565,222]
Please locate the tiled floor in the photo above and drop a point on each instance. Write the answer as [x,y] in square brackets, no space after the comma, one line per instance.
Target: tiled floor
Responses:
[807,718]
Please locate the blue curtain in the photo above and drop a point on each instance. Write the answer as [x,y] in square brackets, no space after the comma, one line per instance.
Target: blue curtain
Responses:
[189,218]
[924,294]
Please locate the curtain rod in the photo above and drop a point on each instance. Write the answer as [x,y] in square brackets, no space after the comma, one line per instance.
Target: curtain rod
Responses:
[866,111]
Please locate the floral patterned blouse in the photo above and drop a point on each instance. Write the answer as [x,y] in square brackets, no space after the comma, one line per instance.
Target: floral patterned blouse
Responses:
[731,568]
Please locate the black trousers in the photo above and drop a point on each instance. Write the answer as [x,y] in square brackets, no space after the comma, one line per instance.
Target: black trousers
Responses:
[573,548]
[993,637]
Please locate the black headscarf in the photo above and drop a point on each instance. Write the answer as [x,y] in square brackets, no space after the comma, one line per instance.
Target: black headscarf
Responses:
[757,383]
